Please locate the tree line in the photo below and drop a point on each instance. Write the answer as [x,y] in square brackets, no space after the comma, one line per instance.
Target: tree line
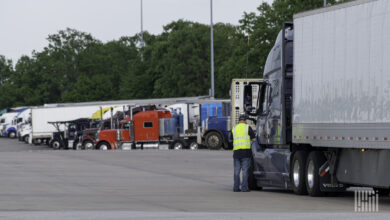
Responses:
[76,67]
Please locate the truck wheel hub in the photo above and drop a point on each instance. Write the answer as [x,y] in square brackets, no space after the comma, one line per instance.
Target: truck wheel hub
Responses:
[310,174]
[194,146]
[103,147]
[213,141]
[88,145]
[178,146]
[56,144]
[296,173]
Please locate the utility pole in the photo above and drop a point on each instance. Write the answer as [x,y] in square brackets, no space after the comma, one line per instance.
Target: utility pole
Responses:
[324,3]
[212,48]
[142,26]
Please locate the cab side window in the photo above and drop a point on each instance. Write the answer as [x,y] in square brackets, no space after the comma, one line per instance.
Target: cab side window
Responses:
[264,99]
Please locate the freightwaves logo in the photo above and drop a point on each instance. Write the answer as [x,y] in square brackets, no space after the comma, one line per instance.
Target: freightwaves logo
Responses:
[366,201]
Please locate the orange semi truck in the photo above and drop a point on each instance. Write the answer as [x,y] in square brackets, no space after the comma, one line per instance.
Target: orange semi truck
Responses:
[146,129]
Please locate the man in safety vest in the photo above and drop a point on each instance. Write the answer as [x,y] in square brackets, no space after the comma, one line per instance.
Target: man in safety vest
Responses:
[242,135]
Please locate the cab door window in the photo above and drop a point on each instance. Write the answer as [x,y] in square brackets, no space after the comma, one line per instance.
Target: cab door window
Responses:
[264,99]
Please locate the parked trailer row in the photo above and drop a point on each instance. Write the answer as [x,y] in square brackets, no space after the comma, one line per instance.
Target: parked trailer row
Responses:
[176,123]
[181,123]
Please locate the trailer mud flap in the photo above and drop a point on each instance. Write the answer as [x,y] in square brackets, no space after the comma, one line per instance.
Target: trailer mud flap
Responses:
[326,184]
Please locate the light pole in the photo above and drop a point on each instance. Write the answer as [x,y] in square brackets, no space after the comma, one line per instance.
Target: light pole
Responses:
[212,48]
[324,3]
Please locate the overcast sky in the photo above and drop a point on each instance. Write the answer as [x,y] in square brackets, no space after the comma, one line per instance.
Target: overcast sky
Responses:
[25,24]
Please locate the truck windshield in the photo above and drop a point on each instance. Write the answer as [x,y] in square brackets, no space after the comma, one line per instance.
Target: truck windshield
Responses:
[125,125]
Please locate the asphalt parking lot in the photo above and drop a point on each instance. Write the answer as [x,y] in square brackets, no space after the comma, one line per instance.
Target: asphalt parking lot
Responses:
[40,183]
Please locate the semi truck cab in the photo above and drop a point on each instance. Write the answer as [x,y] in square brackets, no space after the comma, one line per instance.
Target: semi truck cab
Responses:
[145,129]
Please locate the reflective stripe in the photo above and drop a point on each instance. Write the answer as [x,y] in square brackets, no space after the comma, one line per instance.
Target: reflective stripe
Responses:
[244,143]
[239,138]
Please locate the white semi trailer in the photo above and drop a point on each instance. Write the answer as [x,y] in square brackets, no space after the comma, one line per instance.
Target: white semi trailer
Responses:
[42,131]
[323,117]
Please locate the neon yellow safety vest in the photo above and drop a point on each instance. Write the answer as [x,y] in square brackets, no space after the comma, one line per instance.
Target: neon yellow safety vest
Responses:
[241,138]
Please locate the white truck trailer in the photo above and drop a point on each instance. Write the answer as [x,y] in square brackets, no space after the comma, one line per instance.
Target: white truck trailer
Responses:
[42,131]
[323,118]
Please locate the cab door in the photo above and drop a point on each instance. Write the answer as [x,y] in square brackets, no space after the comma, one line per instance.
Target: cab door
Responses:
[271,161]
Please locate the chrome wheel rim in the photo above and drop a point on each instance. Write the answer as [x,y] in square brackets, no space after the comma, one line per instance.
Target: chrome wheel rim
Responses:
[178,146]
[310,174]
[88,145]
[12,135]
[296,173]
[194,146]
[103,147]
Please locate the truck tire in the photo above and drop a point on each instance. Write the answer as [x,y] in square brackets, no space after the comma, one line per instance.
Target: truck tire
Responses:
[12,134]
[103,146]
[297,175]
[194,146]
[252,182]
[25,138]
[214,141]
[87,145]
[55,144]
[312,177]
[178,145]
[36,141]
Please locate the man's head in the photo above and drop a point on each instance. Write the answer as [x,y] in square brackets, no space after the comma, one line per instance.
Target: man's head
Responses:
[242,118]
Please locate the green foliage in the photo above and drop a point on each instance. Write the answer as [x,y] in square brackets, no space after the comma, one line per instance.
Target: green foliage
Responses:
[76,67]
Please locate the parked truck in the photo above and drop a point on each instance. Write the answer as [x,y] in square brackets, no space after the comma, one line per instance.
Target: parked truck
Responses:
[201,119]
[8,122]
[69,133]
[323,114]
[217,119]
[154,128]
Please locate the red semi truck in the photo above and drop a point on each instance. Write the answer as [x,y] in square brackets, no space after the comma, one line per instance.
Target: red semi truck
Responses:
[146,129]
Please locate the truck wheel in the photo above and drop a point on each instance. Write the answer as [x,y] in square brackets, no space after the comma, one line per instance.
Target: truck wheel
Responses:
[315,160]
[298,173]
[194,146]
[25,138]
[103,146]
[12,134]
[213,141]
[88,145]
[76,145]
[36,141]
[177,145]
[252,182]
[55,144]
